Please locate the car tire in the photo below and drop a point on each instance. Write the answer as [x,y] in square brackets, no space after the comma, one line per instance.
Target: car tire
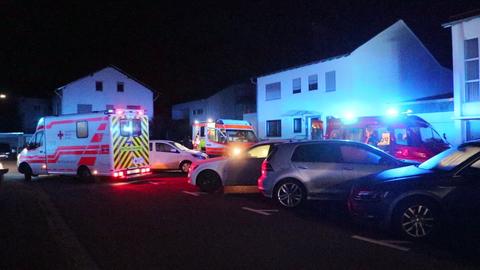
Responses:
[290,194]
[84,174]
[208,181]
[416,219]
[185,166]
[27,172]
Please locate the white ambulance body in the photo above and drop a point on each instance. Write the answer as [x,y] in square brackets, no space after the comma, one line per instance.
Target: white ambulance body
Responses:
[110,143]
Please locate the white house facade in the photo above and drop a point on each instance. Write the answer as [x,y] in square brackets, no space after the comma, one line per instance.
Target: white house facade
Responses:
[466,75]
[108,88]
[392,67]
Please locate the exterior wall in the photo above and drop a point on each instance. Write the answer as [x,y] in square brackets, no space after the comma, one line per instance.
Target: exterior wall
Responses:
[31,110]
[462,31]
[392,67]
[229,103]
[83,91]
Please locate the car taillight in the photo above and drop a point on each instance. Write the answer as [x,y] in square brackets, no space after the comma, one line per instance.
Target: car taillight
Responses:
[266,167]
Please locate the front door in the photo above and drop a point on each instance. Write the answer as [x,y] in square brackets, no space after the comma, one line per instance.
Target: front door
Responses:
[316,128]
[246,169]
[37,154]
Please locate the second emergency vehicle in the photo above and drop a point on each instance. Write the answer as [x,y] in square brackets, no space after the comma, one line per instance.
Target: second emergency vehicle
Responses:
[113,143]
[217,138]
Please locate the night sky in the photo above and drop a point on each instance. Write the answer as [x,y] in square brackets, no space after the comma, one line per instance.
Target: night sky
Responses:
[193,49]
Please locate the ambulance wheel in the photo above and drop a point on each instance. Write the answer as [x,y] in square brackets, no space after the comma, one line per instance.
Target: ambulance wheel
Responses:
[208,181]
[26,170]
[85,175]
[185,165]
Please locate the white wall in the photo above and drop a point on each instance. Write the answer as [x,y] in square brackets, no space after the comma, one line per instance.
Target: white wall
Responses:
[83,91]
[392,67]
[460,32]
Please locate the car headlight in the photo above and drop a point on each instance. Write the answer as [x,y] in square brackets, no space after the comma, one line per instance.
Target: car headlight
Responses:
[369,195]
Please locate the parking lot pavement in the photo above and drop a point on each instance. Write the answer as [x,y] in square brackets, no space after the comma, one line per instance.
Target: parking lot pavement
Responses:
[162,222]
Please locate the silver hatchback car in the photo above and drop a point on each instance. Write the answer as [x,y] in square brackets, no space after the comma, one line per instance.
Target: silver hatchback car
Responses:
[319,170]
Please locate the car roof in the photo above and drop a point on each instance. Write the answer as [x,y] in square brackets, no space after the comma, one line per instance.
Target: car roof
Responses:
[327,142]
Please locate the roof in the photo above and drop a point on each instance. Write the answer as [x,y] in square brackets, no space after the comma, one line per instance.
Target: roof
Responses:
[306,64]
[379,32]
[459,18]
[117,69]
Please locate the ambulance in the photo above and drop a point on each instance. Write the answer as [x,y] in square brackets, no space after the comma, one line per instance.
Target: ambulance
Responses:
[407,137]
[112,143]
[223,136]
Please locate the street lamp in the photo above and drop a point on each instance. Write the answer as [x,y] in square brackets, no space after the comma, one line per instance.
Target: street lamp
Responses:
[3,96]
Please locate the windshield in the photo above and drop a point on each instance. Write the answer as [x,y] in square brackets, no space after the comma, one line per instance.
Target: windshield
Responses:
[241,136]
[449,159]
[180,146]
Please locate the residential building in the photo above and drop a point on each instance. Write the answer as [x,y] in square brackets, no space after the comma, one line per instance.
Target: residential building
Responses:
[30,110]
[232,102]
[465,29]
[392,67]
[108,88]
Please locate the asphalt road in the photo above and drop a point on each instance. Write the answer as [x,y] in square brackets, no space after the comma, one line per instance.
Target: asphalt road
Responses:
[161,222]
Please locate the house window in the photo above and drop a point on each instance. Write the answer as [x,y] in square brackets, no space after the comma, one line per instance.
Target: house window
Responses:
[82,129]
[84,108]
[472,74]
[274,128]
[330,82]
[296,85]
[473,130]
[312,82]
[120,87]
[273,91]
[134,107]
[297,125]
[99,86]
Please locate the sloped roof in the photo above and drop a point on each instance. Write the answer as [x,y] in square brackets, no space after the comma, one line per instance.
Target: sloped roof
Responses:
[117,69]
[398,22]
[465,16]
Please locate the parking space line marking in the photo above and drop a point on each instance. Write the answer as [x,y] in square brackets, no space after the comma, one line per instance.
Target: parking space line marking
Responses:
[194,193]
[381,243]
[265,212]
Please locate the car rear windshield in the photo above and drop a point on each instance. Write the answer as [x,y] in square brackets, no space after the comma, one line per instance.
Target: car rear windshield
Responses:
[450,159]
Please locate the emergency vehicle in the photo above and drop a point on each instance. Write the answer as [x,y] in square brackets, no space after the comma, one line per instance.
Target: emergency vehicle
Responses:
[222,136]
[406,137]
[112,143]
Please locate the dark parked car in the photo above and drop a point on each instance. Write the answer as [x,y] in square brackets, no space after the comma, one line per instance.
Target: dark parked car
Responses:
[415,200]
[5,151]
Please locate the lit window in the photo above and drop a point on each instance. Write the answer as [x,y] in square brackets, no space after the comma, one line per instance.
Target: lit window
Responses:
[273,91]
[472,73]
[296,85]
[82,129]
[313,82]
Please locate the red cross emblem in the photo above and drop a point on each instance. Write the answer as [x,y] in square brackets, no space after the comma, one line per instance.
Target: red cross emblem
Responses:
[60,135]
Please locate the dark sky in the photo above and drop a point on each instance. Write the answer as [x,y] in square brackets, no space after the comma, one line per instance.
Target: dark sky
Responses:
[188,50]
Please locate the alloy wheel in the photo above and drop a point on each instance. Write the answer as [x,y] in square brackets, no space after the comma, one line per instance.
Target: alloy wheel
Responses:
[290,194]
[417,221]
